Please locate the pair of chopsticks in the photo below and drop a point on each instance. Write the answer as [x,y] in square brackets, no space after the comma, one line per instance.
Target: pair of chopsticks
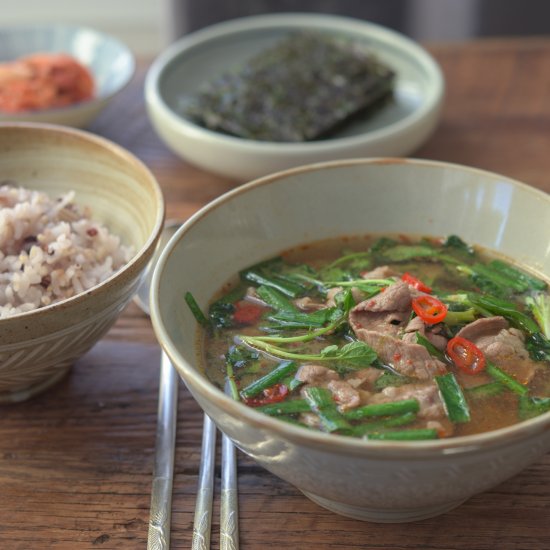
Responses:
[163,476]
[229,517]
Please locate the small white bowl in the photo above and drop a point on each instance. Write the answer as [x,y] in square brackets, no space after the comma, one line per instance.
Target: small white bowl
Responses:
[110,62]
[396,130]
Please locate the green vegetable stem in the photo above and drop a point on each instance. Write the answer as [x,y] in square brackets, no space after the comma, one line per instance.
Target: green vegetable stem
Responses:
[282,370]
[455,402]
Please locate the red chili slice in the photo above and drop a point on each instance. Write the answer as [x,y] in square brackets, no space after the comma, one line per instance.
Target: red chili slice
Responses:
[466,355]
[274,394]
[246,313]
[429,309]
[411,280]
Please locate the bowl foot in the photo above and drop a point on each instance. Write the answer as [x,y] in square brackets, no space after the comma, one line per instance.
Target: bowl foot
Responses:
[23,394]
[397,515]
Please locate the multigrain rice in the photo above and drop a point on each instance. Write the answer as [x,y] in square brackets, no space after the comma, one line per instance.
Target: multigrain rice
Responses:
[50,249]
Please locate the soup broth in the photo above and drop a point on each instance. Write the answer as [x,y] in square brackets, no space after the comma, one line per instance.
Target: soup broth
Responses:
[384,337]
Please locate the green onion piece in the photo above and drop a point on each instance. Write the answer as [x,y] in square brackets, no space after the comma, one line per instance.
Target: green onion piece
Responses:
[320,398]
[291,406]
[432,350]
[460,317]
[381,424]
[486,390]
[405,435]
[275,299]
[196,310]
[383,409]
[230,384]
[399,420]
[321,403]
[453,398]
[500,279]
[529,281]
[276,375]
[294,384]
[390,379]
[508,310]
[539,305]
[500,376]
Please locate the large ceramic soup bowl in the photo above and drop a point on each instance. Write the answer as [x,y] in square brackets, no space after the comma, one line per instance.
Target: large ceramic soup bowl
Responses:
[386,481]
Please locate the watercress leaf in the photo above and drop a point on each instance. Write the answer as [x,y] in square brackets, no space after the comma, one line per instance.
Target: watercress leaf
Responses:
[456,243]
[360,264]
[221,314]
[403,252]
[300,319]
[538,346]
[344,300]
[329,351]
[275,299]
[357,353]
[533,406]
[261,278]
[382,244]
[334,274]
[240,356]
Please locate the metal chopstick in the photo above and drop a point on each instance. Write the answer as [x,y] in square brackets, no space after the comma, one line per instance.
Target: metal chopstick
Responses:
[161,494]
[163,473]
[229,502]
[203,507]
[229,507]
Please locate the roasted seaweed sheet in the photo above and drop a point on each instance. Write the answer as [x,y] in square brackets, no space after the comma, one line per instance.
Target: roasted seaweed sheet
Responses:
[301,89]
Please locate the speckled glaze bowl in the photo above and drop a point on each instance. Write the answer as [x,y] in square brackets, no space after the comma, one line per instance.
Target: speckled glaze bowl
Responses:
[38,348]
[369,480]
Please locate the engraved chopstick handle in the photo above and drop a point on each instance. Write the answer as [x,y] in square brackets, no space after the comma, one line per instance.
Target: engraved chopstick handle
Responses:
[159,522]
[229,506]
[203,506]
[161,492]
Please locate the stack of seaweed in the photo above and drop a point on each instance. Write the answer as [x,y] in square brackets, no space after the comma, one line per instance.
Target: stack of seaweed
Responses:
[301,89]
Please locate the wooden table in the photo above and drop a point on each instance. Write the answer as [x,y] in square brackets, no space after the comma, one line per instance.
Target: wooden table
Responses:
[76,462]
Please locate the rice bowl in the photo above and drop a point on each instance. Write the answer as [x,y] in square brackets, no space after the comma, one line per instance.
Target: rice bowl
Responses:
[39,344]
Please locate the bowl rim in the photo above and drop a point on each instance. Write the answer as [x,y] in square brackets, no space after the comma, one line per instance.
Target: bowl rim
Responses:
[155,101]
[127,157]
[338,444]
[94,102]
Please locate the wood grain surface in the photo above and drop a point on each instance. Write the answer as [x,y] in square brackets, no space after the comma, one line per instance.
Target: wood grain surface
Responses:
[76,462]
